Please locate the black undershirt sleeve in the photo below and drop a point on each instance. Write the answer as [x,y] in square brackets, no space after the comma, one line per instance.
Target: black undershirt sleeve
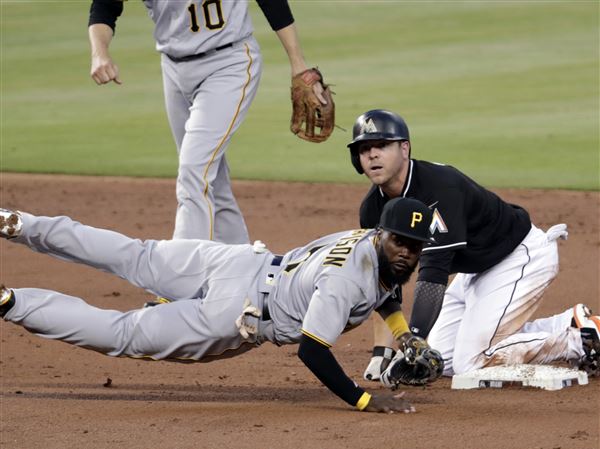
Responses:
[435,266]
[370,208]
[427,305]
[278,13]
[320,360]
[105,11]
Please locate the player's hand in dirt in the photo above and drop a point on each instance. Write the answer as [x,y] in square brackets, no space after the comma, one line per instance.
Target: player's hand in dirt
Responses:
[389,404]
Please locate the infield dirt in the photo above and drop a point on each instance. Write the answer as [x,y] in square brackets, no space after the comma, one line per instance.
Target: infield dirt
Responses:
[57,396]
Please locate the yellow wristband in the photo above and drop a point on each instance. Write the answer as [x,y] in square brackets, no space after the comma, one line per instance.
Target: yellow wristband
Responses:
[363,401]
[397,324]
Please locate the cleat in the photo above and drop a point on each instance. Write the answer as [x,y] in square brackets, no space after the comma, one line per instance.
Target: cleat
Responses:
[5,294]
[589,326]
[7,300]
[157,302]
[584,317]
[10,223]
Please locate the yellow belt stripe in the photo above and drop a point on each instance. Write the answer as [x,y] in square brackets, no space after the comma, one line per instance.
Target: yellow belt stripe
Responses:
[214,154]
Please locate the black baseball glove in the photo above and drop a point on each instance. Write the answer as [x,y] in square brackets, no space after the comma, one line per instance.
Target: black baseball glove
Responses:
[416,363]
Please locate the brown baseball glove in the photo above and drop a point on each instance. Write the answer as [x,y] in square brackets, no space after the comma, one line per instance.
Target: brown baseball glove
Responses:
[311,120]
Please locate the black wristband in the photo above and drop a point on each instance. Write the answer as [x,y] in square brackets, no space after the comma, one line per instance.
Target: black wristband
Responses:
[383,351]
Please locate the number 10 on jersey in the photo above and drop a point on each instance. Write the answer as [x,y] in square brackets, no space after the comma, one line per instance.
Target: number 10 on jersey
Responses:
[212,13]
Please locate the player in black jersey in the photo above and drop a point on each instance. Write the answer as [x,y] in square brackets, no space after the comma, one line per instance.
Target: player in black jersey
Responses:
[503,263]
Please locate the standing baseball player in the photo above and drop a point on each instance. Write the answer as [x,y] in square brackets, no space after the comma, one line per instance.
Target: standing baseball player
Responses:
[504,263]
[231,298]
[211,65]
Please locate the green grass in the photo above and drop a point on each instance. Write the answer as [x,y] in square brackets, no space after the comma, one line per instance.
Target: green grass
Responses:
[506,91]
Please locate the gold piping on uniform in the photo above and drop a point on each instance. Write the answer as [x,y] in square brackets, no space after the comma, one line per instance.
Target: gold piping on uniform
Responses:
[212,159]
[314,337]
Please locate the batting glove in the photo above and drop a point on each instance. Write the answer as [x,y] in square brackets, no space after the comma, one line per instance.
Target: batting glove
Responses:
[382,356]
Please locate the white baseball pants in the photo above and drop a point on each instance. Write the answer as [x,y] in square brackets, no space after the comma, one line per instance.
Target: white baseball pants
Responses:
[484,318]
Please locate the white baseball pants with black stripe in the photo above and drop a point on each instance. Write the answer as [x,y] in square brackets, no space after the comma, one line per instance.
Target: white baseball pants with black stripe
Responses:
[484,320]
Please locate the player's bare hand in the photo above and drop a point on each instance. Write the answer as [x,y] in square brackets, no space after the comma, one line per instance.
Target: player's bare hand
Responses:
[317,87]
[318,90]
[104,70]
[389,404]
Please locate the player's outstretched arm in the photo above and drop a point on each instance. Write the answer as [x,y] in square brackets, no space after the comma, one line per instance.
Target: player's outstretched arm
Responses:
[319,359]
[102,21]
[279,16]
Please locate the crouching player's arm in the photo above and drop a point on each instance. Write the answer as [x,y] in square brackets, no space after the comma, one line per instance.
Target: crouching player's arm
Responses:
[320,360]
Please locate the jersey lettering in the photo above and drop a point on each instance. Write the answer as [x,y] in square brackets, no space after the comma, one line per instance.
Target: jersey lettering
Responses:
[337,256]
[193,18]
[208,17]
[334,261]
[294,265]
[212,12]
[342,250]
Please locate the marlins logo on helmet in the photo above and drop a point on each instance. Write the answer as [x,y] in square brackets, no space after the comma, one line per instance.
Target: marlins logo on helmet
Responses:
[368,127]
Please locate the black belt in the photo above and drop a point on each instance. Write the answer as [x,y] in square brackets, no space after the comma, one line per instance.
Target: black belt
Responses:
[266,316]
[199,55]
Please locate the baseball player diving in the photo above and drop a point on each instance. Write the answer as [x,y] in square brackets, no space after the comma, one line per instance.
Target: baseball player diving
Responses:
[211,65]
[228,299]
[503,264]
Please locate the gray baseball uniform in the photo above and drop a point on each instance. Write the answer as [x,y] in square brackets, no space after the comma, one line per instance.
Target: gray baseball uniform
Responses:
[207,99]
[211,66]
[219,292]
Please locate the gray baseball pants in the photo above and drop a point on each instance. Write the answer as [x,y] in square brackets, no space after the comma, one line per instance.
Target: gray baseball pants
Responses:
[208,281]
[206,100]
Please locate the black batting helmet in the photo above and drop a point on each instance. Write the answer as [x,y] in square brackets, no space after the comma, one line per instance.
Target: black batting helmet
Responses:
[377,124]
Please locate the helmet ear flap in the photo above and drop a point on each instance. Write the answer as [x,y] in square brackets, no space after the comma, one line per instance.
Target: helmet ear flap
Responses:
[355,158]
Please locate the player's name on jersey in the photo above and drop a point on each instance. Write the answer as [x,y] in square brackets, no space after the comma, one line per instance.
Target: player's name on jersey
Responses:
[338,255]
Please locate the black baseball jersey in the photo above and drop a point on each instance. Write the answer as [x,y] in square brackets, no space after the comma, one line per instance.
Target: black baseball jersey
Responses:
[474,229]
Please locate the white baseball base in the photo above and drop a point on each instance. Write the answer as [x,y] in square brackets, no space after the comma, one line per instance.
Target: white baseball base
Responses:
[540,376]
